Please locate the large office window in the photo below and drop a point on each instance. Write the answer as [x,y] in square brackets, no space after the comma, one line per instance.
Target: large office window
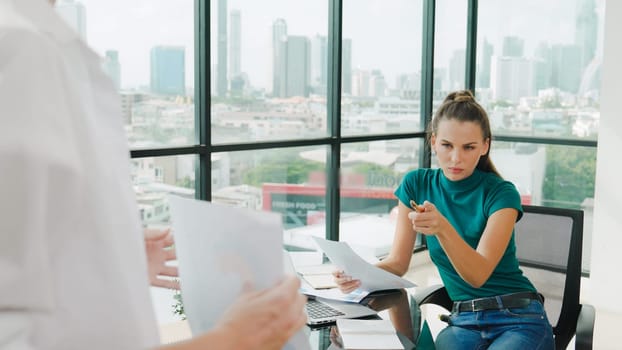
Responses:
[316,109]
[539,79]
[268,68]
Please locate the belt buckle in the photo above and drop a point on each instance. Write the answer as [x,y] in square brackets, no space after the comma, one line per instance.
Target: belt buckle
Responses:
[473,305]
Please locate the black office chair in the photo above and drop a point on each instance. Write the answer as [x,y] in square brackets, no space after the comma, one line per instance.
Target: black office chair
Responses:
[549,249]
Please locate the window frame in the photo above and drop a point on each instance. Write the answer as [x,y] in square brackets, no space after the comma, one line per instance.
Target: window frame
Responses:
[204,148]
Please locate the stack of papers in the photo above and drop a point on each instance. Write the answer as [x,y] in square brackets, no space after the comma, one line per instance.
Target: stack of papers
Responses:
[368,334]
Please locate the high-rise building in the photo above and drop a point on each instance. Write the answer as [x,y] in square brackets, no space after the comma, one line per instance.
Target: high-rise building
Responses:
[346,66]
[457,64]
[542,67]
[360,83]
[221,74]
[483,79]
[298,59]
[74,13]
[168,70]
[566,67]
[586,31]
[112,67]
[279,44]
[512,46]
[319,64]
[510,78]
[235,40]
[377,84]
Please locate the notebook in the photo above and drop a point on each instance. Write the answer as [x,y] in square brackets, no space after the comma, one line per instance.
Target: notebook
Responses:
[322,311]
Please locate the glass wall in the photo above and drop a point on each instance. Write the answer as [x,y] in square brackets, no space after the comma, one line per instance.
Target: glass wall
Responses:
[230,100]
[553,176]
[541,77]
[381,67]
[268,70]
[151,64]
[539,80]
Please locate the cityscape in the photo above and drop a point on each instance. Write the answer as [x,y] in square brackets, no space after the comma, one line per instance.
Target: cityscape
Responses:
[550,92]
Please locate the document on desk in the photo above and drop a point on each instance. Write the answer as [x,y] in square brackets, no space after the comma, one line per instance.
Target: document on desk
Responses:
[368,334]
[372,277]
[219,248]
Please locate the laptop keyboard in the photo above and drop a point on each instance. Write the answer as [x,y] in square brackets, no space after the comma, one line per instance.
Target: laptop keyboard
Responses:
[316,309]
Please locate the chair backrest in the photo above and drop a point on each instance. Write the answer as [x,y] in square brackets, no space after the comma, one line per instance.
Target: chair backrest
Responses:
[549,249]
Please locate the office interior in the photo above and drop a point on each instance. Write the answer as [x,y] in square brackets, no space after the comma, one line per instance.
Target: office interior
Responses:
[315,109]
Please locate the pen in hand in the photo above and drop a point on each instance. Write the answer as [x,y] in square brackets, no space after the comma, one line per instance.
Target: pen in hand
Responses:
[416,207]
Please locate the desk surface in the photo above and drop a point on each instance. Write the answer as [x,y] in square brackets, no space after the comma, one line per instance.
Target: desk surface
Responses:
[398,306]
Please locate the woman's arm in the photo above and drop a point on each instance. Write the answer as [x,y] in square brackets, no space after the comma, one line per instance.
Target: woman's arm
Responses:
[474,265]
[398,260]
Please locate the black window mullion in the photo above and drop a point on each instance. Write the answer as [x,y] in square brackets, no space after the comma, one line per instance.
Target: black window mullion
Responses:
[427,73]
[202,73]
[335,19]
[471,46]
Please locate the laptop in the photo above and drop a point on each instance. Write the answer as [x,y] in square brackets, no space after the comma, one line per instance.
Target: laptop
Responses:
[322,312]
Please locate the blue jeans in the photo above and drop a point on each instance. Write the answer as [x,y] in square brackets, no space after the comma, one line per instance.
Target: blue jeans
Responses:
[520,328]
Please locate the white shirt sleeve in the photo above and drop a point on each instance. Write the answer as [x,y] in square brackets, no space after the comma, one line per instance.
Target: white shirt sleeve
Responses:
[31,112]
[14,330]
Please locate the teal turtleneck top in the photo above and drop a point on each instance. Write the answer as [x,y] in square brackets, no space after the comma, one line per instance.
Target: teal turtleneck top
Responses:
[468,204]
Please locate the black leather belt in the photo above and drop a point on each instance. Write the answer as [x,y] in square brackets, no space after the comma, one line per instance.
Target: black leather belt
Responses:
[514,300]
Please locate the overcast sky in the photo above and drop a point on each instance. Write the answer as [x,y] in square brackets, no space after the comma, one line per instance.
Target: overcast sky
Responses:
[386,34]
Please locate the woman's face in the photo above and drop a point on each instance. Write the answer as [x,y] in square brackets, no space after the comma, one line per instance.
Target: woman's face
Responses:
[458,146]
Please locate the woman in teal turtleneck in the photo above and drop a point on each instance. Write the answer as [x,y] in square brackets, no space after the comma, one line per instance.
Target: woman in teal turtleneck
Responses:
[467,214]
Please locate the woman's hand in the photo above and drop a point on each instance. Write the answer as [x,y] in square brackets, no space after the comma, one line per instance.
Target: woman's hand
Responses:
[429,221]
[159,249]
[345,282]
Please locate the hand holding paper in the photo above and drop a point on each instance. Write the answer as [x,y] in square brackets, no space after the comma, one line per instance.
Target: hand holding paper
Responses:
[372,277]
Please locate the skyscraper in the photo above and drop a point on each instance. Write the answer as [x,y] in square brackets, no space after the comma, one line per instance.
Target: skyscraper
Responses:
[221,74]
[346,66]
[319,63]
[457,67]
[542,67]
[566,67]
[112,67]
[279,40]
[510,78]
[483,79]
[74,14]
[512,46]
[168,70]
[298,58]
[235,39]
[586,31]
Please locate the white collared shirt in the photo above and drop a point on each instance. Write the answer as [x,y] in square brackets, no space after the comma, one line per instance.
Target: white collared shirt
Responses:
[72,264]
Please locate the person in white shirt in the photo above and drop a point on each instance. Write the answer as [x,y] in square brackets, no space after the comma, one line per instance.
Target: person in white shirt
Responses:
[72,257]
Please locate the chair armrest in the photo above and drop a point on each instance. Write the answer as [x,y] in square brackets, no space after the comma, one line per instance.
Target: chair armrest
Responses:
[585,327]
[435,294]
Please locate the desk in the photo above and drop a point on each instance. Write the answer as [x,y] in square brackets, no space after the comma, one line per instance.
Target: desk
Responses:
[398,306]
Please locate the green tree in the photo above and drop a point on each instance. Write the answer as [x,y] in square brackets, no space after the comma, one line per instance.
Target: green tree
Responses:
[569,176]
[186,182]
[284,168]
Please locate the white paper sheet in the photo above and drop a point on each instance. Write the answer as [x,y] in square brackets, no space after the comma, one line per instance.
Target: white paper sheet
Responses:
[372,277]
[219,248]
[368,334]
